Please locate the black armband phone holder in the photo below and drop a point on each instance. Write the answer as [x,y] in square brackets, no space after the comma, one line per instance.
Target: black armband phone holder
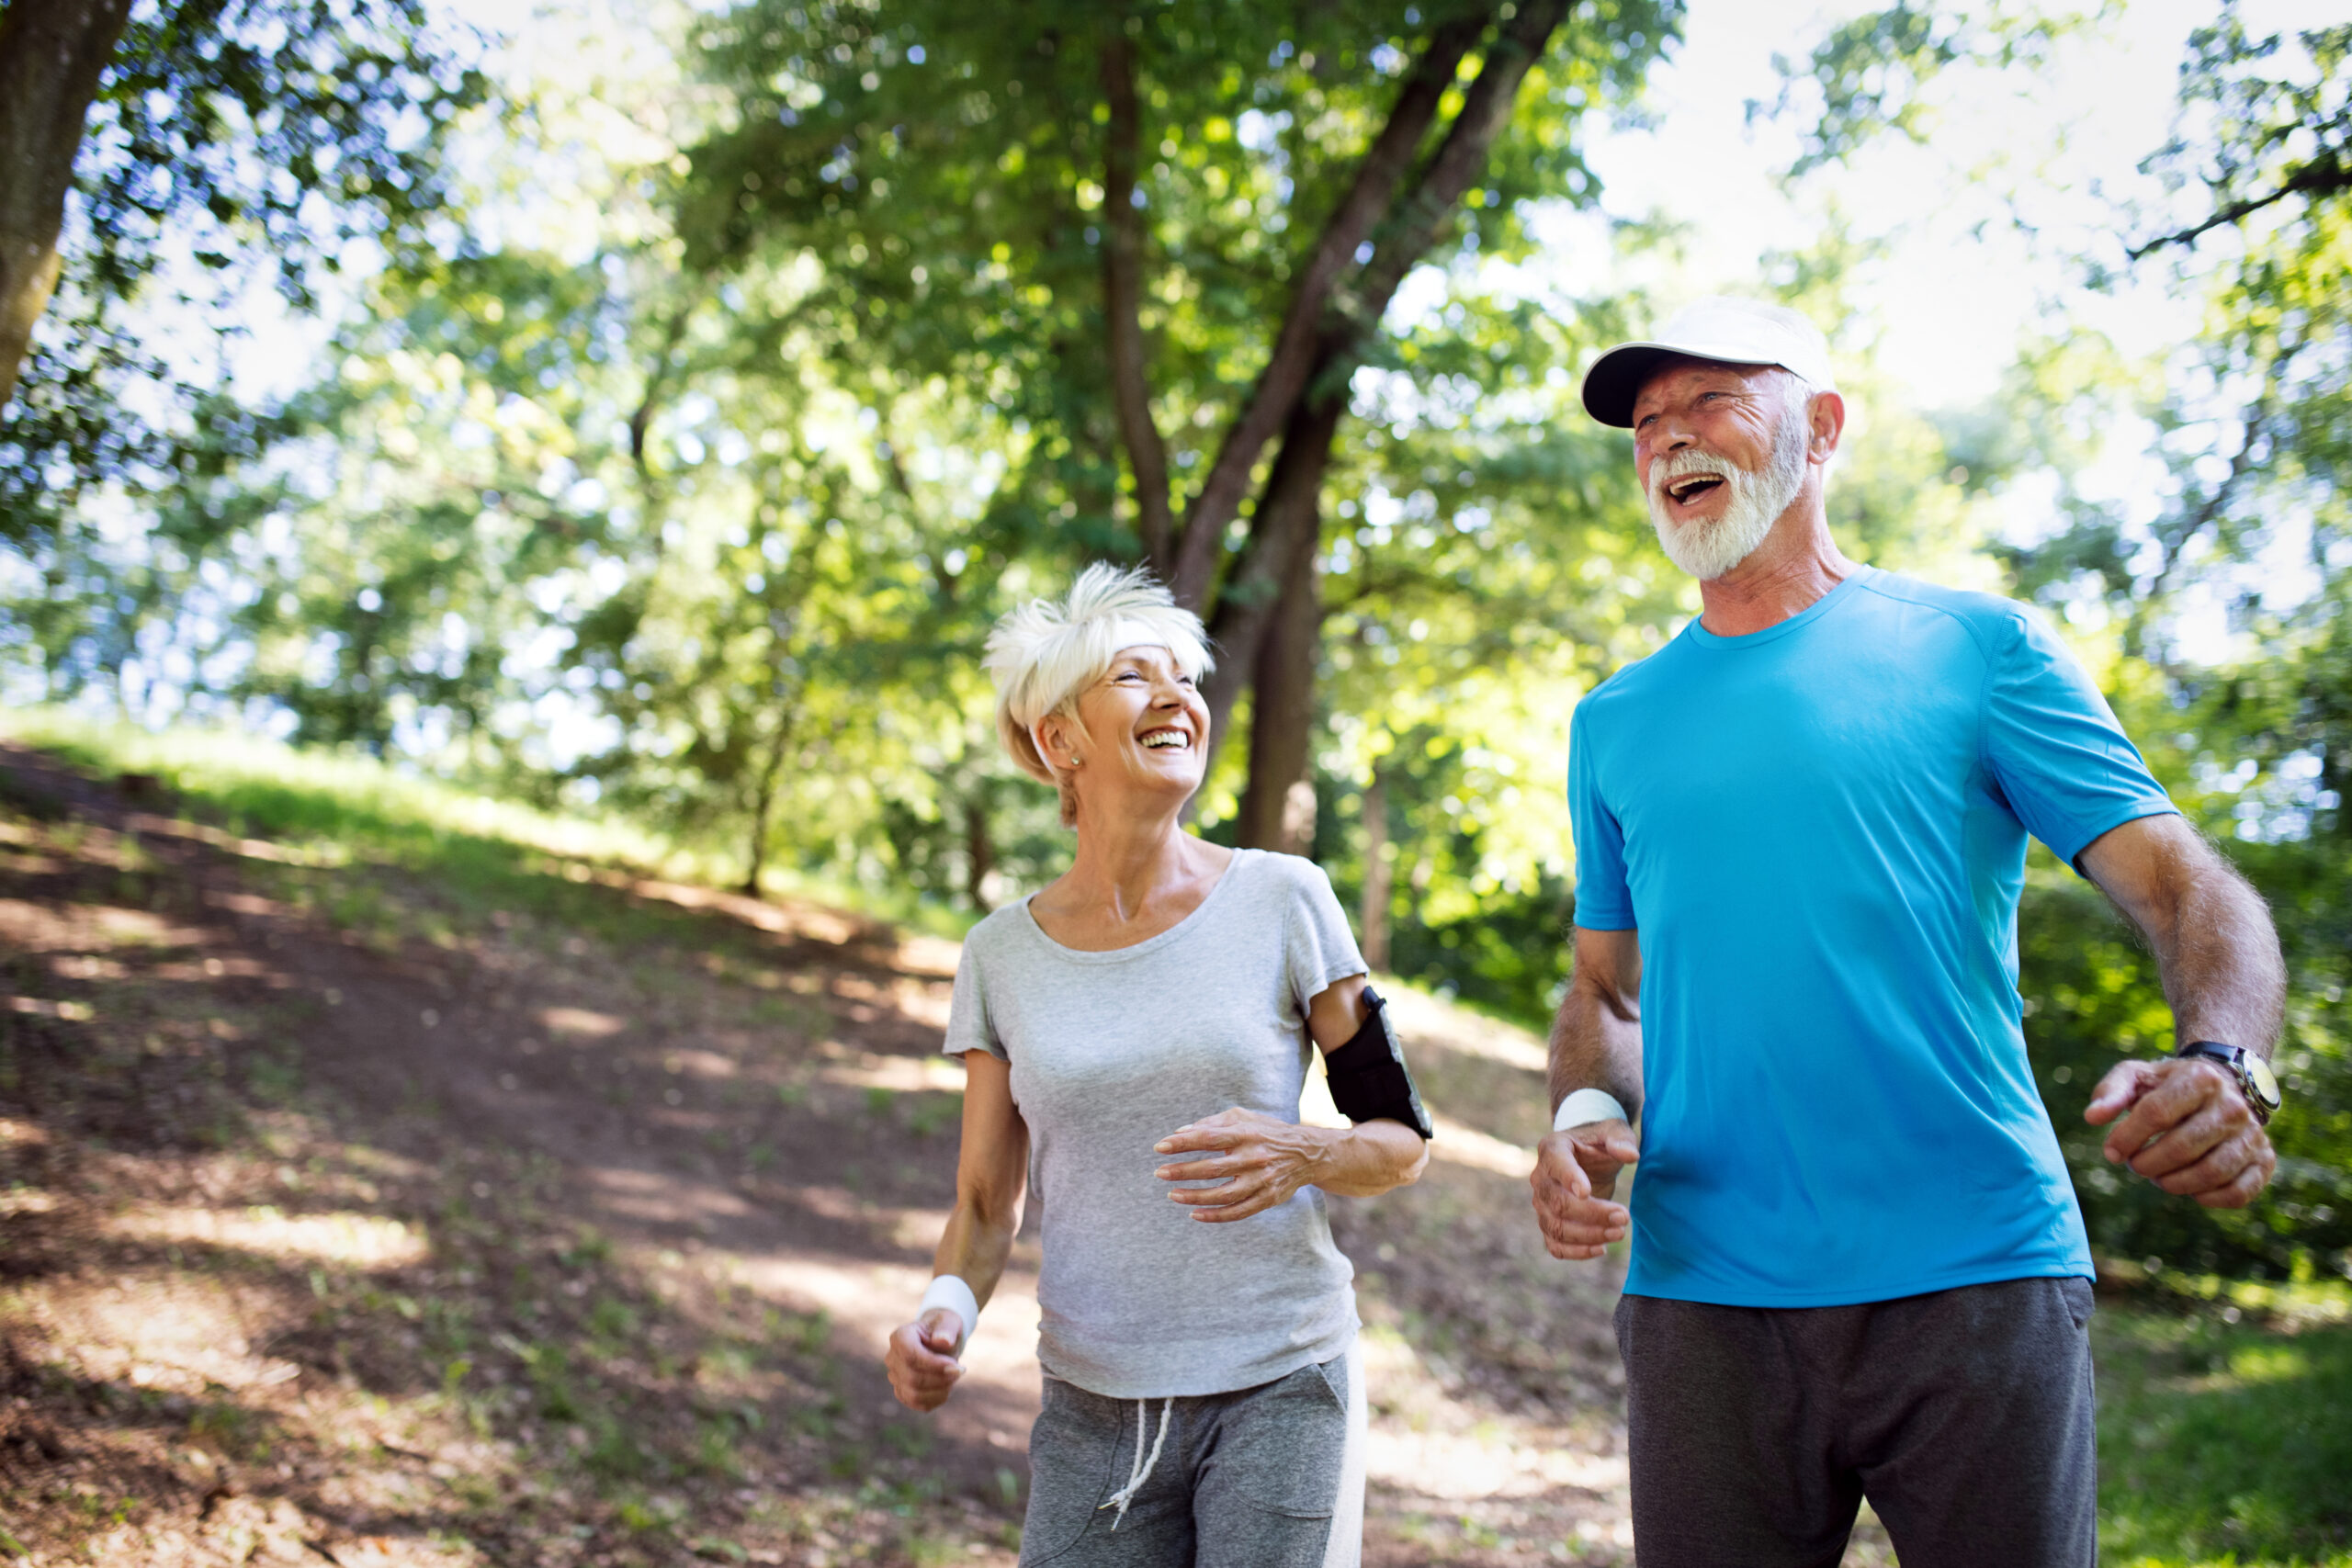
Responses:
[1369,1080]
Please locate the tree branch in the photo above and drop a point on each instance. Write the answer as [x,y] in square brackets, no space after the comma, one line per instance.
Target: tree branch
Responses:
[1123,303]
[1486,109]
[1290,368]
[2317,177]
[1288,506]
[641,420]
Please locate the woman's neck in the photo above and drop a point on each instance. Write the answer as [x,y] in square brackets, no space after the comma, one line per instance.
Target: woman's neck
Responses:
[1133,877]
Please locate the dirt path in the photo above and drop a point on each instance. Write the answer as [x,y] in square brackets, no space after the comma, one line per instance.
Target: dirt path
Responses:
[350,1215]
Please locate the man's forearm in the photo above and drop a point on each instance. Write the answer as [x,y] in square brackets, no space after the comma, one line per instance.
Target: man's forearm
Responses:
[2216,951]
[2218,958]
[1597,1043]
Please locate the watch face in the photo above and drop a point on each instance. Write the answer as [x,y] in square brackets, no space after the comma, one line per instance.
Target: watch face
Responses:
[2264,1081]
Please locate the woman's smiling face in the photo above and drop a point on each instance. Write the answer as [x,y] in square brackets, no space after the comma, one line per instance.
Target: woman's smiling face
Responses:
[1142,721]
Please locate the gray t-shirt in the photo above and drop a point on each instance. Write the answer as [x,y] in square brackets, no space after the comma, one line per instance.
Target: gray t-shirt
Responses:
[1111,1052]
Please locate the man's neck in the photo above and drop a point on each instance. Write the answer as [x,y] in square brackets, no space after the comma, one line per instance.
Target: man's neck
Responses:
[1789,573]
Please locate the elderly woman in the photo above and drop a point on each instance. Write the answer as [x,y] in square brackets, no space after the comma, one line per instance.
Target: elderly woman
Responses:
[1136,1034]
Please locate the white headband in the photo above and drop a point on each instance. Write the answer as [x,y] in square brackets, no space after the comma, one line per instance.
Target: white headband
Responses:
[1125,635]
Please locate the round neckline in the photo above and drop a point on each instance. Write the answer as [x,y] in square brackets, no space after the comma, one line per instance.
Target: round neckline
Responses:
[1700,636]
[1136,949]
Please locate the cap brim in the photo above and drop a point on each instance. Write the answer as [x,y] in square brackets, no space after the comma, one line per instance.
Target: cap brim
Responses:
[1617,378]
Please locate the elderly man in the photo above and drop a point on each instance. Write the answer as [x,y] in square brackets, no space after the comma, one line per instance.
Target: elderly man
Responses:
[1858,1268]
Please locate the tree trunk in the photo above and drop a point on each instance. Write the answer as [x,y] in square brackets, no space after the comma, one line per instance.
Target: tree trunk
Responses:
[763,802]
[1379,878]
[1278,805]
[980,849]
[52,53]
[1288,526]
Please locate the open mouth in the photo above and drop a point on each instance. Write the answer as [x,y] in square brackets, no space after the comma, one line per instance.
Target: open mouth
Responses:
[1165,740]
[1689,490]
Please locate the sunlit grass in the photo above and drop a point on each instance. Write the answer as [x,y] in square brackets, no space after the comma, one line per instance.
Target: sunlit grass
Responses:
[2223,1444]
[327,806]
[323,809]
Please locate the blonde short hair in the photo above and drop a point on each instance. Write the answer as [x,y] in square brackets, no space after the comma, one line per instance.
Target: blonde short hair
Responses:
[1045,652]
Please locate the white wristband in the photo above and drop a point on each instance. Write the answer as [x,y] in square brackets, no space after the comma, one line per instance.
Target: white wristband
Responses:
[948,1290]
[1588,1105]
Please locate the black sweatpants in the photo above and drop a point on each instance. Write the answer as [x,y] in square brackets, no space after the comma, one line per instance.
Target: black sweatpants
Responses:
[1963,1416]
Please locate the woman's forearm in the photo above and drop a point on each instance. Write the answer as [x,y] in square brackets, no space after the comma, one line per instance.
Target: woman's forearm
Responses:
[1372,1157]
[976,1245]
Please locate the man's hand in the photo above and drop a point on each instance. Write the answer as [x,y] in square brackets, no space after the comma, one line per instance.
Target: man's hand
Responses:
[1574,1179]
[1257,1161]
[922,1358]
[2187,1127]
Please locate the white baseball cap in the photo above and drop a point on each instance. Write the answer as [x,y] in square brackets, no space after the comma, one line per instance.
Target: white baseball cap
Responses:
[1729,331]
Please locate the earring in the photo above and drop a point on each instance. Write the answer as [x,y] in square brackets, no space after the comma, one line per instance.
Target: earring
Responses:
[1075,759]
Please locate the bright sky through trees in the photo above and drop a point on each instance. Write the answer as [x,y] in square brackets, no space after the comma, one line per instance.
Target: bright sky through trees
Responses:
[1956,286]
[1959,284]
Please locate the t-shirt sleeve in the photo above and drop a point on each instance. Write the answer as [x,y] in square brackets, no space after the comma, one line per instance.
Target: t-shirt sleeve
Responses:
[969,1028]
[2053,745]
[1318,946]
[1604,903]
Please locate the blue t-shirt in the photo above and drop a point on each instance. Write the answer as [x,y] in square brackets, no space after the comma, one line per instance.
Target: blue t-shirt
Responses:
[1819,831]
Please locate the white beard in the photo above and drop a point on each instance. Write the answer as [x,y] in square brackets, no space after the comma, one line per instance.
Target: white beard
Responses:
[1709,550]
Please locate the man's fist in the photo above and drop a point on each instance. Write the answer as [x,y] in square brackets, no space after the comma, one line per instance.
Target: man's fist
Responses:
[1574,1183]
[2187,1127]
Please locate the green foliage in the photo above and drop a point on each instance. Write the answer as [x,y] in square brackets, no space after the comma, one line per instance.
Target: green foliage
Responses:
[2278,132]
[702,511]
[1872,75]
[2252,421]
[2092,999]
[256,137]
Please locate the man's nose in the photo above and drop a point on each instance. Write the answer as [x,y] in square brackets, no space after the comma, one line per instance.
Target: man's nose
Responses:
[1663,439]
[1672,433]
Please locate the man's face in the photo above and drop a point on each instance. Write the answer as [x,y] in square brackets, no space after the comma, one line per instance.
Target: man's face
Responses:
[1721,451]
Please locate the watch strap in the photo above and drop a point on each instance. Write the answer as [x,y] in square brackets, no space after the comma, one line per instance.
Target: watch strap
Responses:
[2234,1058]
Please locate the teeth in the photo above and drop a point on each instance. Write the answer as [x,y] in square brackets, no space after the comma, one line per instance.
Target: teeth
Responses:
[1161,739]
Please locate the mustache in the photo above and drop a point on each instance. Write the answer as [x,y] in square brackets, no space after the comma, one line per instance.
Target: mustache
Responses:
[1691,460]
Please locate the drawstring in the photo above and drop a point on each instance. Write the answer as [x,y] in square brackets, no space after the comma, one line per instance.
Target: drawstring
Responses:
[1139,1471]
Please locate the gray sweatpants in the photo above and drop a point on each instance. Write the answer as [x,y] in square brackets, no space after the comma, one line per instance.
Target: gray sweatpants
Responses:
[1264,1477]
[1964,1417]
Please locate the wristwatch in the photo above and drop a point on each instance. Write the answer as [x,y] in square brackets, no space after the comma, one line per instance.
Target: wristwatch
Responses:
[2255,1078]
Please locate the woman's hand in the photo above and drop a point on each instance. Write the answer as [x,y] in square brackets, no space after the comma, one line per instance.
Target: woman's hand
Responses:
[1256,1160]
[922,1360]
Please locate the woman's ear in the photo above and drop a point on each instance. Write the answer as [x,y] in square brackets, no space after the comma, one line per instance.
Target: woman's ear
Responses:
[1058,735]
